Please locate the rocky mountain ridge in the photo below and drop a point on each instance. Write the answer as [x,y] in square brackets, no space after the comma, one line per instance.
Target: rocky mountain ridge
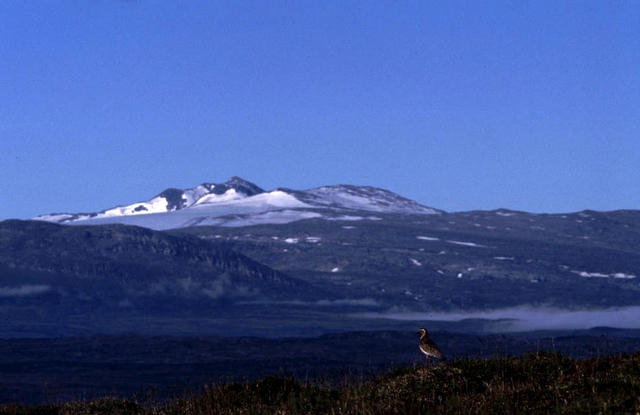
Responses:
[238,202]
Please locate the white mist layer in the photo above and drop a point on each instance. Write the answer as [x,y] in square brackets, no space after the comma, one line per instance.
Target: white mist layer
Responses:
[530,319]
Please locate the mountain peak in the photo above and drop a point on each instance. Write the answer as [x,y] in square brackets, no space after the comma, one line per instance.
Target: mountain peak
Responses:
[236,183]
[174,198]
[238,179]
[244,186]
[239,202]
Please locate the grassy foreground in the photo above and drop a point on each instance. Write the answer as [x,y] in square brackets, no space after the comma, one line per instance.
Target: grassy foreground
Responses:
[537,383]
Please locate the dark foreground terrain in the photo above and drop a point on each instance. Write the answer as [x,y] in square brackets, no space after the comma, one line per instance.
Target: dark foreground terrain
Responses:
[158,369]
[535,383]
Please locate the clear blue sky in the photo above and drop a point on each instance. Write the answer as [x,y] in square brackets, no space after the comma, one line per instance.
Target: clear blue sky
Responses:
[529,105]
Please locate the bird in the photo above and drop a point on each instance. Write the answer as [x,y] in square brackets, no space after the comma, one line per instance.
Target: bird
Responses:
[429,347]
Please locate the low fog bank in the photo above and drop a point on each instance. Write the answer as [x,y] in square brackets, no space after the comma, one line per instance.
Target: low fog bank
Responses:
[527,318]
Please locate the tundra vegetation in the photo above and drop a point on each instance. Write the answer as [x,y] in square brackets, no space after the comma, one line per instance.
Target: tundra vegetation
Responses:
[535,383]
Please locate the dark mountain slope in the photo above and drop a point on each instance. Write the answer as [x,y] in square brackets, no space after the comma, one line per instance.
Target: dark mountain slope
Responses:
[467,260]
[130,255]
[51,273]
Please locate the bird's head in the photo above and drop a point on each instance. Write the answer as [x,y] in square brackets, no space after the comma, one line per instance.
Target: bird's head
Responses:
[422,332]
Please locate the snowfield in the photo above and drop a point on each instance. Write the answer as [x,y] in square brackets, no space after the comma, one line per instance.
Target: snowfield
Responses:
[461,243]
[619,275]
[427,238]
[241,203]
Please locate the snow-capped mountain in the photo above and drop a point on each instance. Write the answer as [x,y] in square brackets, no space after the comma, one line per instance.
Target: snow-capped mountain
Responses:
[238,202]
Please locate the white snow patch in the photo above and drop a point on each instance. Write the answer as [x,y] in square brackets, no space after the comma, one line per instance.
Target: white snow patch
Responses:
[623,275]
[191,196]
[591,274]
[467,244]
[620,275]
[504,258]
[427,238]
[415,262]
[155,205]
[292,240]
[23,290]
[313,239]
[346,217]
[336,269]
[352,218]
[505,213]
[54,217]
[276,198]
[227,196]
[348,227]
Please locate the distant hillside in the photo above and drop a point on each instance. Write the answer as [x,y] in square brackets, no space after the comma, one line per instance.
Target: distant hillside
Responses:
[457,261]
[52,272]
[315,276]
[235,259]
